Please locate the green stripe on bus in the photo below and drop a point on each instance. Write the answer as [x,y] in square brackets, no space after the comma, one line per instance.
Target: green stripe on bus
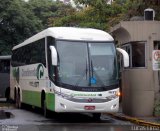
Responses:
[31,98]
[50,97]
[34,98]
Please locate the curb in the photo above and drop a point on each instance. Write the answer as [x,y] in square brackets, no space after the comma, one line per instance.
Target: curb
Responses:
[135,120]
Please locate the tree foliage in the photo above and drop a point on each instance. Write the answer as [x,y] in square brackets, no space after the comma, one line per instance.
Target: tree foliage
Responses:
[95,14]
[20,20]
[43,9]
[17,22]
[59,17]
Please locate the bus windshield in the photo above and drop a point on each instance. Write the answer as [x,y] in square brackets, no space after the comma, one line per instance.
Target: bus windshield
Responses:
[86,64]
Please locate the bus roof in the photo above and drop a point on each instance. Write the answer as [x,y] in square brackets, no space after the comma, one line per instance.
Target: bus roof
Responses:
[70,33]
[5,57]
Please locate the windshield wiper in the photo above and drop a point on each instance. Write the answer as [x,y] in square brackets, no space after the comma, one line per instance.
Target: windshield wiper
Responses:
[97,76]
[84,74]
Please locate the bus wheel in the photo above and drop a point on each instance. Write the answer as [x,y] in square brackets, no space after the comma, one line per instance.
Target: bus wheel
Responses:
[18,101]
[15,95]
[97,116]
[44,109]
[7,94]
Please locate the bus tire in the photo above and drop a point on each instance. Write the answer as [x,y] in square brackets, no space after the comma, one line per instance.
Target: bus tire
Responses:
[7,94]
[97,116]
[15,94]
[44,106]
[18,100]
[45,110]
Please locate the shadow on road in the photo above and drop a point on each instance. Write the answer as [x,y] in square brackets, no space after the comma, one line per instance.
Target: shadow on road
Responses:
[68,117]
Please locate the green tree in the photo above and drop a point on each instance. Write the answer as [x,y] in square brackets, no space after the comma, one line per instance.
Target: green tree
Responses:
[17,22]
[43,9]
[108,15]
[62,15]
[97,14]
[20,20]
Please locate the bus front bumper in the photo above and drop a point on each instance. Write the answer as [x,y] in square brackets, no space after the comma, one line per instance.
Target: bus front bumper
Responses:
[64,105]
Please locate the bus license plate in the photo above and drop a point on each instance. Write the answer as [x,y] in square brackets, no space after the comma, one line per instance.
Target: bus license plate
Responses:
[89,107]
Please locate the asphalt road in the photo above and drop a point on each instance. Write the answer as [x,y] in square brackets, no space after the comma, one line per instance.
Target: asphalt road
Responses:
[33,120]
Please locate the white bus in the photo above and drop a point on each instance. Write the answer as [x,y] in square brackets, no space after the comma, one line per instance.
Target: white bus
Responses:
[4,76]
[66,69]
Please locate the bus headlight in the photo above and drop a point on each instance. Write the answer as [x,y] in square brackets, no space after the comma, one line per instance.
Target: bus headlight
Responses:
[66,96]
[111,97]
[118,93]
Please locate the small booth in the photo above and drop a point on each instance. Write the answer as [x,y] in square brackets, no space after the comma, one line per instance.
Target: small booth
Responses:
[141,80]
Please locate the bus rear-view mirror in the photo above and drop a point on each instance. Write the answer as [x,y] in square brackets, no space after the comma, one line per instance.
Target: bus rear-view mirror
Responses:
[125,57]
[53,55]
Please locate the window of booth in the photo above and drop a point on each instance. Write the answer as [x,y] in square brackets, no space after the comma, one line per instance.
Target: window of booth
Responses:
[137,54]
[156,45]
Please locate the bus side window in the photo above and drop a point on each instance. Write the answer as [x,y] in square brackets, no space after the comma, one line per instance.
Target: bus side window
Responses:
[4,66]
